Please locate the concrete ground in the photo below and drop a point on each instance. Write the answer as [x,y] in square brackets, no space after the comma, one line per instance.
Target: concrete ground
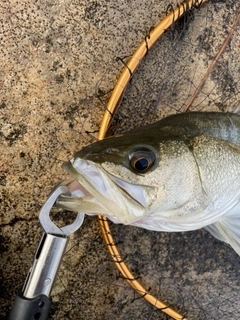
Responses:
[56,57]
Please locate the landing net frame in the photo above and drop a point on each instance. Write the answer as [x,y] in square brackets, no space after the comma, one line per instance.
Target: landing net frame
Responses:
[111,108]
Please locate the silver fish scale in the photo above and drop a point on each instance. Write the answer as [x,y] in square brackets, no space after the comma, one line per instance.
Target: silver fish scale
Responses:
[219,167]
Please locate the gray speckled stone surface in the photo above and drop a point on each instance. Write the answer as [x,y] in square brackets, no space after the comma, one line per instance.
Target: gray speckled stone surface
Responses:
[55,56]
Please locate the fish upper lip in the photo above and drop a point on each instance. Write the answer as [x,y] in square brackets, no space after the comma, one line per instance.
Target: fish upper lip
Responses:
[113,178]
[119,182]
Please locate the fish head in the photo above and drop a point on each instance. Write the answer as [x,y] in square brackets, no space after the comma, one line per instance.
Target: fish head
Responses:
[179,174]
[136,176]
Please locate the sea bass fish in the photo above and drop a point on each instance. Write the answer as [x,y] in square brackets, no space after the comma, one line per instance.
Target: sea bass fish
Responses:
[181,173]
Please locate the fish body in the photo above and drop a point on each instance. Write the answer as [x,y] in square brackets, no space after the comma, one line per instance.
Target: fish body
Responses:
[181,173]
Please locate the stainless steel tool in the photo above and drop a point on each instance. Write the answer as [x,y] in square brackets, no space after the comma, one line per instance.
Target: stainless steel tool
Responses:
[33,302]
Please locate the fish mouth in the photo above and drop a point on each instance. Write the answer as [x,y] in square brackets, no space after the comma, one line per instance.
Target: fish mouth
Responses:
[125,201]
[134,191]
[75,188]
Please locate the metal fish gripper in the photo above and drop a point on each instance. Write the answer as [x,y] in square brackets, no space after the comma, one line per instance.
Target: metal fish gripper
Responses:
[33,301]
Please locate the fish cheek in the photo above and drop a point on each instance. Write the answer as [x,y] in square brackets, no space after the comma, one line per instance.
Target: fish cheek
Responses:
[179,186]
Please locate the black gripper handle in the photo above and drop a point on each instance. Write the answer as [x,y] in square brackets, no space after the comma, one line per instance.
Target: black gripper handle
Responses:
[30,309]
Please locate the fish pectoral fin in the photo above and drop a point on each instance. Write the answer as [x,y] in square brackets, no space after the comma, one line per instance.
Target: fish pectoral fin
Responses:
[236,110]
[228,228]
[213,229]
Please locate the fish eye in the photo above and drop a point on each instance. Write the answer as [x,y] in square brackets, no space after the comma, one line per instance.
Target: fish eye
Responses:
[142,160]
